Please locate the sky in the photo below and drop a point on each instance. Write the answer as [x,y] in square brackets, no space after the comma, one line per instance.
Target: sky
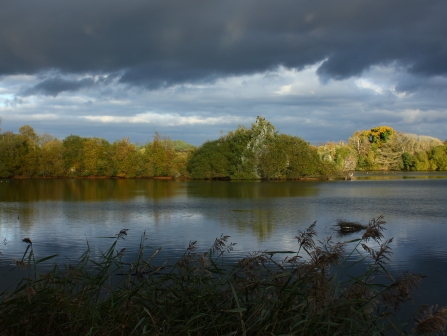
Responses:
[195,69]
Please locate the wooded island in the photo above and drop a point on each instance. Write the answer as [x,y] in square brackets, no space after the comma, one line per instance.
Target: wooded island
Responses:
[259,152]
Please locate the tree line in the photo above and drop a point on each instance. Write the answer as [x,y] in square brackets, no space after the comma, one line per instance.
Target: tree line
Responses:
[27,154]
[258,152]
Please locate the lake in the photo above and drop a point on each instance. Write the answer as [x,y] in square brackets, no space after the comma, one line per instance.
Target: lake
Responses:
[61,215]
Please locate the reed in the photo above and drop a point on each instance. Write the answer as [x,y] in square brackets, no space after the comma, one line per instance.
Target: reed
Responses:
[306,292]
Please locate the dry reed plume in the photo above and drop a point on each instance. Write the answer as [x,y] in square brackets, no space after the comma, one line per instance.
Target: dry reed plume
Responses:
[431,320]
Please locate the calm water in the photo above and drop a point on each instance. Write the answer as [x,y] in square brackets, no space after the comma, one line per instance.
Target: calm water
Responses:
[61,215]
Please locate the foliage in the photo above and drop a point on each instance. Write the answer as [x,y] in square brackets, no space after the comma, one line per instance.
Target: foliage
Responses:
[422,161]
[257,153]
[160,157]
[383,148]
[309,292]
[51,161]
[273,159]
[126,159]
[303,160]
[72,153]
[28,154]
[438,157]
[343,155]
[96,154]
[345,158]
[380,134]
[12,151]
[182,146]
[408,161]
[241,158]
[209,161]
[389,154]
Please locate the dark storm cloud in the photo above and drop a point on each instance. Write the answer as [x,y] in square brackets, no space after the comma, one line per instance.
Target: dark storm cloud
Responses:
[411,84]
[164,42]
[54,86]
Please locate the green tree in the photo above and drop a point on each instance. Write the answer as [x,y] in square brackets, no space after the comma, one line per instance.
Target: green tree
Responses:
[438,158]
[12,151]
[51,161]
[240,154]
[73,154]
[29,135]
[96,155]
[408,161]
[29,164]
[422,161]
[182,146]
[273,160]
[262,143]
[380,134]
[369,152]
[259,152]
[303,159]
[360,143]
[160,157]
[345,158]
[210,161]
[127,160]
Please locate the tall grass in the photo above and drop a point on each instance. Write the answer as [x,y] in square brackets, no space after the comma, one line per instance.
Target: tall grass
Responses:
[308,292]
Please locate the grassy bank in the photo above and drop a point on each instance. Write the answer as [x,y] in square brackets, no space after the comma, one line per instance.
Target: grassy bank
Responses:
[308,292]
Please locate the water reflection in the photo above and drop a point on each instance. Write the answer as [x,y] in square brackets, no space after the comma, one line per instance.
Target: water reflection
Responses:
[85,190]
[255,208]
[251,189]
[397,175]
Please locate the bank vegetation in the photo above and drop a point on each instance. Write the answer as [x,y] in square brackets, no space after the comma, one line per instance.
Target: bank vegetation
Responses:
[313,290]
[258,152]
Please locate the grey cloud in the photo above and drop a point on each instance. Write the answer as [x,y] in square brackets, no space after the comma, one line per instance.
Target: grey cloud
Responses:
[54,86]
[161,43]
[154,77]
[13,102]
[434,85]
